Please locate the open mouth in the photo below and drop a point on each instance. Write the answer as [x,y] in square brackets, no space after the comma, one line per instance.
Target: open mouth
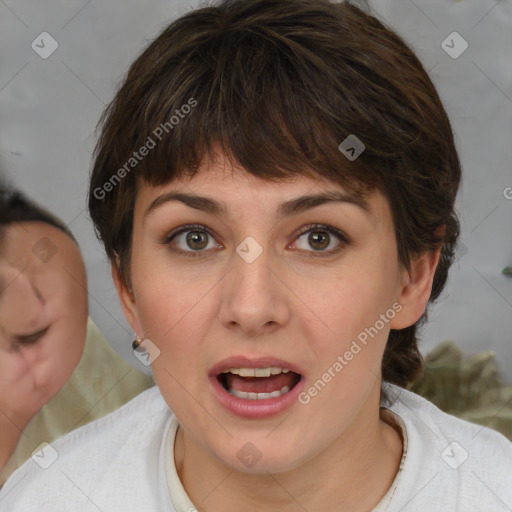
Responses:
[258,383]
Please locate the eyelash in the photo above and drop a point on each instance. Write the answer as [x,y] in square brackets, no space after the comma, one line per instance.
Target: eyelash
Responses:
[344,240]
[31,339]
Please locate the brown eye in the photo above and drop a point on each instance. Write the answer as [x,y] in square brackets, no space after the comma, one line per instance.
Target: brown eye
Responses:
[197,240]
[191,240]
[319,240]
[324,240]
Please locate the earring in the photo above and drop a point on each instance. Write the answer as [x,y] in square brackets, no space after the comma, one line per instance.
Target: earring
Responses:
[136,342]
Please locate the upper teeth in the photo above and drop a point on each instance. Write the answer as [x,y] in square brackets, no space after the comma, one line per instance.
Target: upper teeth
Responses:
[257,372]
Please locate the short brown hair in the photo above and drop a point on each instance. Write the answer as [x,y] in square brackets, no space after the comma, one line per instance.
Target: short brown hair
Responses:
[278,85]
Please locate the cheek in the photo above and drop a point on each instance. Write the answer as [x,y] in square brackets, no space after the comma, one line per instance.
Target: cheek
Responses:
[177,316]
[351,348]
[172,301]
[13,367]
[69,307]
[169,309]
[178,320]
[345,302]
[58,354]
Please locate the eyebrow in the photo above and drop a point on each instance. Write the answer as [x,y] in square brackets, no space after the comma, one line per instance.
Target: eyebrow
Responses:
[285,209]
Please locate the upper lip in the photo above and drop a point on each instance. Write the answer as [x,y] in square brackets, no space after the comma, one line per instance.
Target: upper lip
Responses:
[246,362]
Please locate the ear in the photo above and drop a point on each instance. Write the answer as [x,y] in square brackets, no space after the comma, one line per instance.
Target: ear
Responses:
[127,299]
[415,289]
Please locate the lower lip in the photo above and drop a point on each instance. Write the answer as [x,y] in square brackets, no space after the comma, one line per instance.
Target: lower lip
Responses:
[255,409]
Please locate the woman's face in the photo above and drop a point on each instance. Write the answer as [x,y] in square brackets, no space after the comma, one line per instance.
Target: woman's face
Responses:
[43,314]
[278,280]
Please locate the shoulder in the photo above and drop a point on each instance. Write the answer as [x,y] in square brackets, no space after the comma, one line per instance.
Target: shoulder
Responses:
[100,384]
[449,461]
[117,450]
[425,414]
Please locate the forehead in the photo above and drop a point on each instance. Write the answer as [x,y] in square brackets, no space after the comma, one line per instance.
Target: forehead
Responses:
[217,172]
[24,241]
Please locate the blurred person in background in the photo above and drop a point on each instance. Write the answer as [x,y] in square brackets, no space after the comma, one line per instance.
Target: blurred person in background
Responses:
[57,372]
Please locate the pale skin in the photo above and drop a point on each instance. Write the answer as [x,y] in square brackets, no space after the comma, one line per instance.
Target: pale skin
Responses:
[335,453]
[43,323]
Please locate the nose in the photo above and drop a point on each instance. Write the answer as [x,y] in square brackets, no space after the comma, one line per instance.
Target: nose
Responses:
[254,298]
[21,305]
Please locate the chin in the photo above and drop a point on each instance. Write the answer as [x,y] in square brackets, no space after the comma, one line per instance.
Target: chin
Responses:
[249,459]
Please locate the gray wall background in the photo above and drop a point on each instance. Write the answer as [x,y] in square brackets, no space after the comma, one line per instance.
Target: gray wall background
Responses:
[50,106]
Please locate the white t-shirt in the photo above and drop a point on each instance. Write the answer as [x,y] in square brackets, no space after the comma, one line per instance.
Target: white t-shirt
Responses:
[124,462]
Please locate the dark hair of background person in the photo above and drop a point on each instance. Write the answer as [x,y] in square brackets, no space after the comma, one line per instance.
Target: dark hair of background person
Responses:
[15,207]
[279,84]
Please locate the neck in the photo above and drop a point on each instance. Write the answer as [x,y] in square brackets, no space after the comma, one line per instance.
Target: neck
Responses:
[353,473]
